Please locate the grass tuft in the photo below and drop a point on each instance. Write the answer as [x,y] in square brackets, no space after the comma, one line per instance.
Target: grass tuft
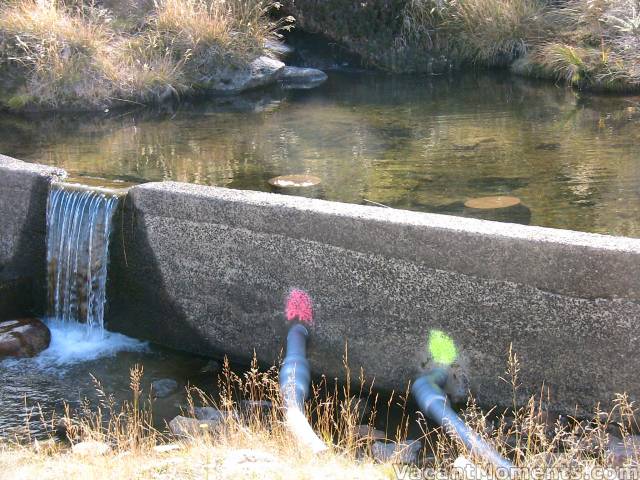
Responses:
[81,57]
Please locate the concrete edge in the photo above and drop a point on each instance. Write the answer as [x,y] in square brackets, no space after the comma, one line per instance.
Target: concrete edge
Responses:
[578,264]
[13,164]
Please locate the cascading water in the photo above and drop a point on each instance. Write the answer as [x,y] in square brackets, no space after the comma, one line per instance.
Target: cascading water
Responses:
[78,228]
[79,222]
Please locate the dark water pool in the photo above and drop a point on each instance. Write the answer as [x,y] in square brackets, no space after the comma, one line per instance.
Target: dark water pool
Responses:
[420,143]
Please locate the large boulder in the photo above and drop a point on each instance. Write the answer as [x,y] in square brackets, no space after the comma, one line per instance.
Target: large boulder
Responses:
[24,337]
[261,72]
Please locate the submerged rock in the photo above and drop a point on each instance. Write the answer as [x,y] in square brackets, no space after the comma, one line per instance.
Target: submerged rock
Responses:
[491,203]
[24,337]
[212,366]
[548,146]
[302,78]
[261,72]
[294,181]
[164,387]
[501,208]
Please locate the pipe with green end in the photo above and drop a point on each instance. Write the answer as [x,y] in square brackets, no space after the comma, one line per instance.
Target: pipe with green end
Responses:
[432,400]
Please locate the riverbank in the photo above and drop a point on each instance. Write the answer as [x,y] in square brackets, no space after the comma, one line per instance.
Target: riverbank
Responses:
[77,56]
[589,44]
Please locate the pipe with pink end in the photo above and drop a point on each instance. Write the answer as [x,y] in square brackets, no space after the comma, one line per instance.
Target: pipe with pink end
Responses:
[295,373]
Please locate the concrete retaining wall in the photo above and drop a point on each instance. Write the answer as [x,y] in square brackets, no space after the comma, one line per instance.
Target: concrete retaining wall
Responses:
[208,270]
[23,201]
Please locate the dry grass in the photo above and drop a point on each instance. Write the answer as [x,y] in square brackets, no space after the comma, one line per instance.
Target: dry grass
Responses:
[591,44]
[486,32]
[254,442]
[79,56]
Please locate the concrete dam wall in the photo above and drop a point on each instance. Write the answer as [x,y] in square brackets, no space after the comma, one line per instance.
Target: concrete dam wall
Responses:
[208,270]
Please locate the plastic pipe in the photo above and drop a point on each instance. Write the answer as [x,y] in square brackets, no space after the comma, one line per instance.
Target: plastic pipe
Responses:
[295,378]
[432,400]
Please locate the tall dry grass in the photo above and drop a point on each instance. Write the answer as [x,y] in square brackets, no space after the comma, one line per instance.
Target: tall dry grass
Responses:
[79,56]
[586,43]
[485,32]
[253,441]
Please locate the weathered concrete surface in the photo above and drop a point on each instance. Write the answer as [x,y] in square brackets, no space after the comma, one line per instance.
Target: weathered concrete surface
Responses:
[208,270]
[23,201]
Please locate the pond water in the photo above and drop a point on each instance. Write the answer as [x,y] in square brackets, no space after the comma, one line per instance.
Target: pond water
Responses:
[419,143]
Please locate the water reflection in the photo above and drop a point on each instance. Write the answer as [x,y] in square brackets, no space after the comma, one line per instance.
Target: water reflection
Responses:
[409,142]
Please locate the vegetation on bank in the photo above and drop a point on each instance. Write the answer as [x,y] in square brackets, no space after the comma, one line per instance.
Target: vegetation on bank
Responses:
[586,43]
[253,441]
[84,56]
[590,44]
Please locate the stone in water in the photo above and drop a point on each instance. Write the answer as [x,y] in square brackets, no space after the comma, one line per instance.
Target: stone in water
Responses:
[491,203]
[288,181]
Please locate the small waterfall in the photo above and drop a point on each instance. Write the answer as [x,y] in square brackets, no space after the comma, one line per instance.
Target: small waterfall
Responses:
[78,227]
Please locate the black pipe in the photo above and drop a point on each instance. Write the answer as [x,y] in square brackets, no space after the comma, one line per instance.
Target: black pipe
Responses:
[295,373]
[295,379]
[432,400]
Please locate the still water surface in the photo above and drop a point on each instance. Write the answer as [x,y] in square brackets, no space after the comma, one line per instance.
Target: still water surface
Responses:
[419,143]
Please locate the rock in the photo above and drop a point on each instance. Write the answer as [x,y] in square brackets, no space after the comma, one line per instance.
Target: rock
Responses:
[167,448]
[494,202]
[501,208]
[302,78]
[369,433]
[294,181]
[402,452]
[164,387]
[90,448]
[623,452]
[25,337]
[209,413]
[261,72]
[548,146]
[465,147]
[279,49]
[212,366]
[192,427]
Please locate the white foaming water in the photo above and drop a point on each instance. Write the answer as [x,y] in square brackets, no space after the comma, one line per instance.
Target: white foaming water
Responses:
[73,342]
